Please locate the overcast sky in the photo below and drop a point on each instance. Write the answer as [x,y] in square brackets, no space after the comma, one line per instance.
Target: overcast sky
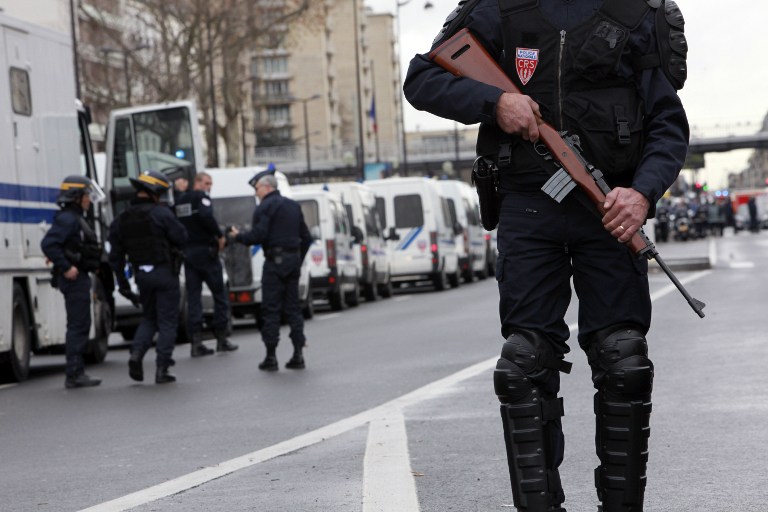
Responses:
[727,68]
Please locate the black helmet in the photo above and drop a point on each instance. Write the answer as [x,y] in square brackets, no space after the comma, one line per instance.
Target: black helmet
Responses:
[74,187]
[151,181]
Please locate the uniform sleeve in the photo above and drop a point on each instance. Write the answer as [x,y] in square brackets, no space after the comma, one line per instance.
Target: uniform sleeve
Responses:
[65,227]
[259,225]
[666,135]
[430,88]
[205,211]
[116,249]
[171,226]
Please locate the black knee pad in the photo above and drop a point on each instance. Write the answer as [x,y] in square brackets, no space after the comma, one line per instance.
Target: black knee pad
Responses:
[621,354]
[527,361]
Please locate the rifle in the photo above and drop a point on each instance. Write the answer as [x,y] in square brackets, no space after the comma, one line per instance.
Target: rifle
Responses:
[463,55]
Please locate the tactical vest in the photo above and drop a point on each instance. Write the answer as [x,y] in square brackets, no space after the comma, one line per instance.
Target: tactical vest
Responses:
[583,81]
[141,239]
[85,253]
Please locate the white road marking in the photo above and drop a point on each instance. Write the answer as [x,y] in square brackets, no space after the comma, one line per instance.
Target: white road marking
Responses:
[327,317]
[388,410]
[388,484]
[712,252]
[6,386]
[742,264]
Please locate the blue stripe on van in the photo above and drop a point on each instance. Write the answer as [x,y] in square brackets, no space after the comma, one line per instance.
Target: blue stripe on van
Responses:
[30,193]
[26,215]
[412,237]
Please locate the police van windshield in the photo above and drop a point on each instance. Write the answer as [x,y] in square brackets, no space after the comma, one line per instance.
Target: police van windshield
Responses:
[234,211]
[408,211]
[311,213]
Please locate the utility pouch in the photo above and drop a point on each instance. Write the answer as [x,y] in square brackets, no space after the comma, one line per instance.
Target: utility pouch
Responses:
[485,177]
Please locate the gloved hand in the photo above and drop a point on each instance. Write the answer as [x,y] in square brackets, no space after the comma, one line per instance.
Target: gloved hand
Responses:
[125,291]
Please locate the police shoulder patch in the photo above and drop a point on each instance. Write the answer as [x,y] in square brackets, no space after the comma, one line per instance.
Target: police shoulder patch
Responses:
[206,201]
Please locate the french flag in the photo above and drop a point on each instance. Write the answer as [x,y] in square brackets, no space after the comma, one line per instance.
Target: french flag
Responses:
[372,115]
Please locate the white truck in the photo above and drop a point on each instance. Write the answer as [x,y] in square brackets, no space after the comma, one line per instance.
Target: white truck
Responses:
[43,138]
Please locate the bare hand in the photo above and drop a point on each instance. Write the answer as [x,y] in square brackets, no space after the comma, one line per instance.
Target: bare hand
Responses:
[222,243]
[517,113]
[233,231]
[72,273]
[625,212]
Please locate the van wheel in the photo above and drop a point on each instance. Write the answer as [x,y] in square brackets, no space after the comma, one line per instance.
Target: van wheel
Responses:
[336,300]
[97,348]
[371,291]
[455,278]
[14,364]
[440,281]
[353,297]
[385,289]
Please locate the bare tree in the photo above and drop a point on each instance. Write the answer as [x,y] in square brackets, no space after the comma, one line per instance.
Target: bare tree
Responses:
[187,41]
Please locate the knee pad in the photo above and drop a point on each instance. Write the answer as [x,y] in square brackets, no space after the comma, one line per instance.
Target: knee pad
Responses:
[620,354]
[527,362]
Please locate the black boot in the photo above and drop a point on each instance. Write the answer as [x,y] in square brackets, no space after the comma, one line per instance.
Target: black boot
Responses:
[163,376]
[81,381]
[198,349]
[222,343]
[135,366]
[296,362]
[269,364]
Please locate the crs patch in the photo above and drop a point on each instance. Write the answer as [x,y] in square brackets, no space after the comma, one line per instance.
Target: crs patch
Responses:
[526,60]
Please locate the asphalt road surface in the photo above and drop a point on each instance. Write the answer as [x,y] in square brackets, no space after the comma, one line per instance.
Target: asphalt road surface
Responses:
[396,412]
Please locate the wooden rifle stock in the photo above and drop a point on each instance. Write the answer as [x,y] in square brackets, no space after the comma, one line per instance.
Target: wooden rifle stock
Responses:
[463,55]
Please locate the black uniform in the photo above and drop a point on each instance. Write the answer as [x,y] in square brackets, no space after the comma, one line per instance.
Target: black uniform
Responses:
[596,71]
[71,241]
[201,260]
[278,225]
[151,238]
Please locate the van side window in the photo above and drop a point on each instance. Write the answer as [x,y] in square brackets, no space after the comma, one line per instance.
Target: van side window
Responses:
[382,211]
[452,217]
[348,208]
[471,217]
[447,213]
[311,213]
[371,222]
[409,212]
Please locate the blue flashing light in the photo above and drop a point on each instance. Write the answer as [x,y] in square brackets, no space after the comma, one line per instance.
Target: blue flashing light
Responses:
[180,153]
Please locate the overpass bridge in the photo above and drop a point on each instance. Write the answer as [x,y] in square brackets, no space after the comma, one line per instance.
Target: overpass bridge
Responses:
[436,157]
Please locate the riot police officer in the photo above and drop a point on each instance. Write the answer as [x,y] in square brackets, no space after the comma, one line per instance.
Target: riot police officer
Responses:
[202,264]
[278,225]
[151,237]
[606,71]
[73,247]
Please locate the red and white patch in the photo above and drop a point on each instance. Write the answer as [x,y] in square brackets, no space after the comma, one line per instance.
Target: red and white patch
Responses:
[317,256]
[422,244]
[526,60]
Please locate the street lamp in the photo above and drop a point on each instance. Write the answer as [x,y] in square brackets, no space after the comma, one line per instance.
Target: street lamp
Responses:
[399,4]
[304,102]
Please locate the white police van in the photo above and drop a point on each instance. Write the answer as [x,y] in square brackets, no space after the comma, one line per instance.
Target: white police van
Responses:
[234,201]
[334,273]
[371,253]
[464,210]
[419,231]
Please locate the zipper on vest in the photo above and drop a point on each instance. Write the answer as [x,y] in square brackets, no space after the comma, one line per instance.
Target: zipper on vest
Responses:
[559,78]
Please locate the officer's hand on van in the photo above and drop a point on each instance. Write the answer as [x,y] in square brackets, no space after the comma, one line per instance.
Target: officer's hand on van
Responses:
[72,273]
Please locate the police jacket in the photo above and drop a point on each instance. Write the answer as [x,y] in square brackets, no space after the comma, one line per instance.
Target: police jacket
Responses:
[278,223]
[71,241]
[147,233]
[195,210]
[581,67]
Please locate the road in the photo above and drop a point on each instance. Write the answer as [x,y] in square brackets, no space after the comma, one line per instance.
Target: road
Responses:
[396,412]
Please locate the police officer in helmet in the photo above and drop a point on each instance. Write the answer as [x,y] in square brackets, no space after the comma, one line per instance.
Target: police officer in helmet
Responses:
[278,225]
[73,247]
[202,264]
[608,72]
[150,236]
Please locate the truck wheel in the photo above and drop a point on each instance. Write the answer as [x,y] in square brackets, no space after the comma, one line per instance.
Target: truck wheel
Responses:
[440,281]
[385,289]
[353,297]
[14,364]
[336,300]
[97,348]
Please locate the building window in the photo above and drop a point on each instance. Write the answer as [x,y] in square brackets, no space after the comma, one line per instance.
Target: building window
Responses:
[276,88]
[274,65]
[278,113]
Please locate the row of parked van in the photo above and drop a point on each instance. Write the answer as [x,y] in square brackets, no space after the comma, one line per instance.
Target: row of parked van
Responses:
[368,238]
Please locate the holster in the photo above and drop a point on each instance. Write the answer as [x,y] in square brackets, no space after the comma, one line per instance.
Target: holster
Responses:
[485,176]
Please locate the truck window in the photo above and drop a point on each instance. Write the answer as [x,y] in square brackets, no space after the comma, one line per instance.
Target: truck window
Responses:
[471,217]
[21,97]
[382,211]
[448,221]
[408,211]
[164,140]
[371,222]
[452,217]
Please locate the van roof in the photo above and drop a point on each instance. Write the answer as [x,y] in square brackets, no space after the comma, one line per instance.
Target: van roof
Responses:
[233,181]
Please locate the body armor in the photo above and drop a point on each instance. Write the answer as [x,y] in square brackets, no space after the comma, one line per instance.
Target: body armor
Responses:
[144,247]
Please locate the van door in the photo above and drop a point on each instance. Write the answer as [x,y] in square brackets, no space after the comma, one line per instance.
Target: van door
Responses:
[412,253]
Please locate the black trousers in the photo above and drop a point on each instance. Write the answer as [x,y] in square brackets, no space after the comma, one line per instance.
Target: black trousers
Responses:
[201,265]
[160,296]
[280,294]
[77,302]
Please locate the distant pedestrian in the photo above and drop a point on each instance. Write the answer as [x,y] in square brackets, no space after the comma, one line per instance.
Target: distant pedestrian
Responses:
[71,244]
[202,265]
[151,237]
[754,226]
[278,225]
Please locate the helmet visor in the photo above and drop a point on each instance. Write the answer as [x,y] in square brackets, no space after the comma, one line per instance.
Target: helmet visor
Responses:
[96,192]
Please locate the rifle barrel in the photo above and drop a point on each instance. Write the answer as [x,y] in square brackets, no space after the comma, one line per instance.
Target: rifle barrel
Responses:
[696,305]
